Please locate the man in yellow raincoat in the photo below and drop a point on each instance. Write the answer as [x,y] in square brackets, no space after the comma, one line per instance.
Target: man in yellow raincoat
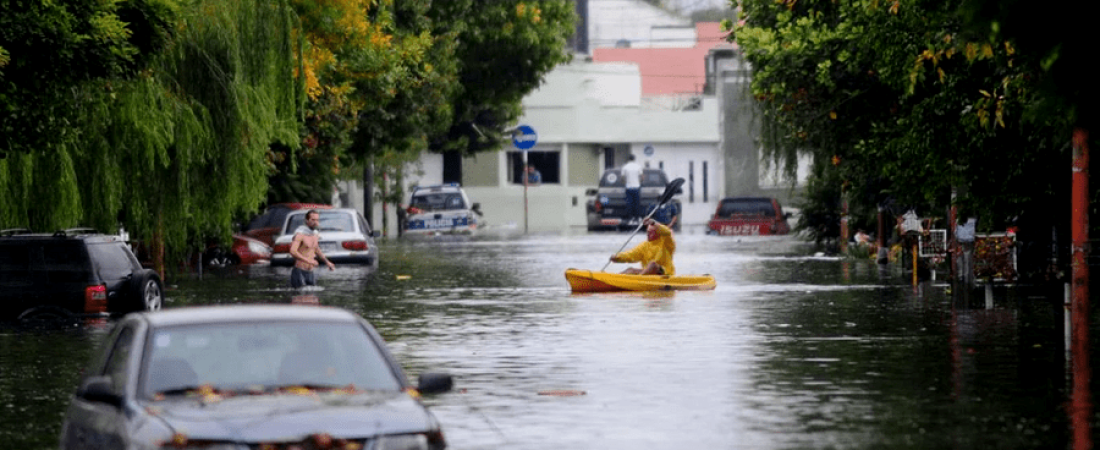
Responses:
[655,253]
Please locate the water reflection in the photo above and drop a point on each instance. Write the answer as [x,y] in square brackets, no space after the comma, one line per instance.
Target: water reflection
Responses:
[791,350]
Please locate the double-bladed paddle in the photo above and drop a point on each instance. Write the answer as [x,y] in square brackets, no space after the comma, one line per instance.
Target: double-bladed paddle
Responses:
[670,190]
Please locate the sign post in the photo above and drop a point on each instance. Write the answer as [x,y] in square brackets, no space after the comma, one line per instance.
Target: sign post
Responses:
[524,137]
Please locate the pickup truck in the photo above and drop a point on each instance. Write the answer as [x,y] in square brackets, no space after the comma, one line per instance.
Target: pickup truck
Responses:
[606,206]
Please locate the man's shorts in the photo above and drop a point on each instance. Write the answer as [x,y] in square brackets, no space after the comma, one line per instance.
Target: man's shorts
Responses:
[299,278]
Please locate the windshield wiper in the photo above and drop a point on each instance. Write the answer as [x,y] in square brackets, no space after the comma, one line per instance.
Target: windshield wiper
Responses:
[313,387]
[179,391]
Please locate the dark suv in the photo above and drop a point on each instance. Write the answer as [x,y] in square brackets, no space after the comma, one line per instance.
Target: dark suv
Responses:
[607,208]
[72,273]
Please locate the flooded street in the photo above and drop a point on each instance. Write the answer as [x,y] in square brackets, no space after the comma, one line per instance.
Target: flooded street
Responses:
[791,351]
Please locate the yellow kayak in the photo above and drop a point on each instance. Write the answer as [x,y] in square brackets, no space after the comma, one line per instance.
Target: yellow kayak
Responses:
[589,281]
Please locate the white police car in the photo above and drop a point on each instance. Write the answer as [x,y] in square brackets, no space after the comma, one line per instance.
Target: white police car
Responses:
[441,209]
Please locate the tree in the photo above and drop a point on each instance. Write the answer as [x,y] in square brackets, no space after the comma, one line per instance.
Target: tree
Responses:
[173,152]
[445,76]
[49,50]
[902,103]
[378,80]
[504,49]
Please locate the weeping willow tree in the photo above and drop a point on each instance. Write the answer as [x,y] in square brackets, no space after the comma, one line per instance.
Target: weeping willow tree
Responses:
[177,152]
[197,130]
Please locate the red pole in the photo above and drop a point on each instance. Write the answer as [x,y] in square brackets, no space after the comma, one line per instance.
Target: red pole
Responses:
[1081,402]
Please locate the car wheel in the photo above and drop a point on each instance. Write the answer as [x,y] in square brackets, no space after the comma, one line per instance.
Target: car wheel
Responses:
[219,257]
[148,294]
[221,260]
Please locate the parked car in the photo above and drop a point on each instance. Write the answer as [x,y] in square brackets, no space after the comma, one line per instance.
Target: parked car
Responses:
[267,226]
[748,216]
[244,251]
[441,209]
[607,208]
[345,237]
[250,377]
[71,274]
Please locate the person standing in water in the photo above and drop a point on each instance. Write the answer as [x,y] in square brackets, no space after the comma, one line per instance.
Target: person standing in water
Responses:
[306,250]
[632,181]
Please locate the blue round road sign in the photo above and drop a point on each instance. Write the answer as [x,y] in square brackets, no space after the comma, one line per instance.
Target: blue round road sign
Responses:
[524,137]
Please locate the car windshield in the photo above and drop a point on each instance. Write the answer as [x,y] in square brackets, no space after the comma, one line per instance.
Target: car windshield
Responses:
[438,201]
[650,178]
[262,357]
[747,207]
[330,221]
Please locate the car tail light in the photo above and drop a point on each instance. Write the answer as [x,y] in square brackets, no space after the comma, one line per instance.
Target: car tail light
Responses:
[95,299]
[355,245]
[282,248]
[598,205]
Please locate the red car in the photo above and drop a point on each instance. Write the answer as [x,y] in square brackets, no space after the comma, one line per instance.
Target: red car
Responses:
[267,226]
[741,216]
[244,251]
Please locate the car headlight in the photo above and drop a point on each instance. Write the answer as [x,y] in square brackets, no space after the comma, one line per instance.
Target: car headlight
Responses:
[259,248]
[401,442]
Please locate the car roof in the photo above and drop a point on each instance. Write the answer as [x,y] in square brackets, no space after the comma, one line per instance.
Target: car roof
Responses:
[747,199]
[301,206]
[446,187]
[201,315]
[330,210]
[646,169]
[61,236]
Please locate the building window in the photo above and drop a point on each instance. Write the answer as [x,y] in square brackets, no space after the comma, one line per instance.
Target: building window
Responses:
[547,163]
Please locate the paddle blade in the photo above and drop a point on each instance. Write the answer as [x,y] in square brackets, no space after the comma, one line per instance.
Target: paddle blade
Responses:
[670,190]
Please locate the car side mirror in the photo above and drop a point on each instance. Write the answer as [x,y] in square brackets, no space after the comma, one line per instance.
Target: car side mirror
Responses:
[376,233]
[679,190]
[476,207]
[434,383]
[99,389]
[590,191]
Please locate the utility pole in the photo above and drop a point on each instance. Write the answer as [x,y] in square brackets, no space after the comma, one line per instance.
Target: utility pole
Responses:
[1081,409]
[368,192]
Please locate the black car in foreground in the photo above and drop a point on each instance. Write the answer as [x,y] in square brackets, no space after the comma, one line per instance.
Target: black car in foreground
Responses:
[75,273]
[249,377]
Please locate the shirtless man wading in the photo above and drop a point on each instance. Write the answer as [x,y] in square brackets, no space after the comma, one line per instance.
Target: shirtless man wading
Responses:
[303,249]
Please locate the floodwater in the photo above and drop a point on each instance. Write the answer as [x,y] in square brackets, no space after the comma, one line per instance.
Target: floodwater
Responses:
[791,351]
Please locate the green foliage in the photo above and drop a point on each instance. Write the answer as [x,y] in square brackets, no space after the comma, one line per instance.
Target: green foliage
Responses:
[168,117]
[1056,42]
[49,50]
[901,104]
[504,48]
[176,151]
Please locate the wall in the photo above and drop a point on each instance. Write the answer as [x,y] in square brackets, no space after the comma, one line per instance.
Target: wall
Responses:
[746,173]
[686,160]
